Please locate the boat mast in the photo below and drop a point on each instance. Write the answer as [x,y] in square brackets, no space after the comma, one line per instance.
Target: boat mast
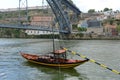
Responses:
[53,36]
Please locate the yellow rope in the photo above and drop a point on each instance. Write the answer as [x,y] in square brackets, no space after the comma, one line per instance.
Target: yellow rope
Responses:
[93,61]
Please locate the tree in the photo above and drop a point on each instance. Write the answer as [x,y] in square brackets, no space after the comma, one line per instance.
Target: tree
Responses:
[80,29]
[74,26]
[118,22]
[91,10]
[111,21]
[107,9]
[111,9]
[118,28]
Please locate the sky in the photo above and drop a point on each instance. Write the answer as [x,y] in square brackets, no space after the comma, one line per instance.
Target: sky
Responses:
[83,5]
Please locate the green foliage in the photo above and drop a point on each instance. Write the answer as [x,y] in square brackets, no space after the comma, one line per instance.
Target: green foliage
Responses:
[23,12]
[118,21]
[91,10]
[80,34]
[0,17]
[29,17]
[74,26]
[111,21]
[118,28]
[14,33]
[80,29]
[106,9]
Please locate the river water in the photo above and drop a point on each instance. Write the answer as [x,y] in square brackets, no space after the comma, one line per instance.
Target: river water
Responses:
[14,67]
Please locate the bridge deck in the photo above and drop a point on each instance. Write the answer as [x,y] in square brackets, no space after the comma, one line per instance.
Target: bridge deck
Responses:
[28,27]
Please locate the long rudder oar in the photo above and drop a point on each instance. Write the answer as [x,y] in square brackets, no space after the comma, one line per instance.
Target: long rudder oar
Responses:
[92,60]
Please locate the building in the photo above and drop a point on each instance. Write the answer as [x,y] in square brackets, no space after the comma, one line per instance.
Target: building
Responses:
[83,24]
[110,30]
[37,32]
[93,26]
[43,21]
[94,23]
[117,16]
[95,30]
[39,20]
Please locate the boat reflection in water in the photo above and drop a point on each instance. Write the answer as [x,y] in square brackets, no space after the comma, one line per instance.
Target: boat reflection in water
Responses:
[56,73]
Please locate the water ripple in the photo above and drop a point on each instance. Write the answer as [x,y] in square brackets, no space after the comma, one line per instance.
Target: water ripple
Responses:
[14,67]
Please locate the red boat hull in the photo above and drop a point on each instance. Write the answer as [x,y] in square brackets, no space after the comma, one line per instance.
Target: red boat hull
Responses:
[51,62]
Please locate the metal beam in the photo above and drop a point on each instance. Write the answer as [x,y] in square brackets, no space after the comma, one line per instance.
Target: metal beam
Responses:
[41,28]
[71,6]
[61,15]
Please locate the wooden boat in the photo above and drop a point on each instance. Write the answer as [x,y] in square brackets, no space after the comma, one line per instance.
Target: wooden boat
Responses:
[56,59]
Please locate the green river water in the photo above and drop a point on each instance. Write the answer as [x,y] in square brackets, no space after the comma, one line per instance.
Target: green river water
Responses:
[14,67]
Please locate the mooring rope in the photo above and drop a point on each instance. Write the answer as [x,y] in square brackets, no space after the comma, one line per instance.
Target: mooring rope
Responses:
[93,61]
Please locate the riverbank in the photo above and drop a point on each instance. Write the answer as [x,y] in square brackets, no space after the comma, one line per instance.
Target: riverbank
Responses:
[65,38]
[98,38]
[16,33]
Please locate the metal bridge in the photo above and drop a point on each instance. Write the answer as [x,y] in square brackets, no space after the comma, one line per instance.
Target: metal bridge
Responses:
[60,9]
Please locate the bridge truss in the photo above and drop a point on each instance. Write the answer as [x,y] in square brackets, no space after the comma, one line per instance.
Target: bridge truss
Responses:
[60,9]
